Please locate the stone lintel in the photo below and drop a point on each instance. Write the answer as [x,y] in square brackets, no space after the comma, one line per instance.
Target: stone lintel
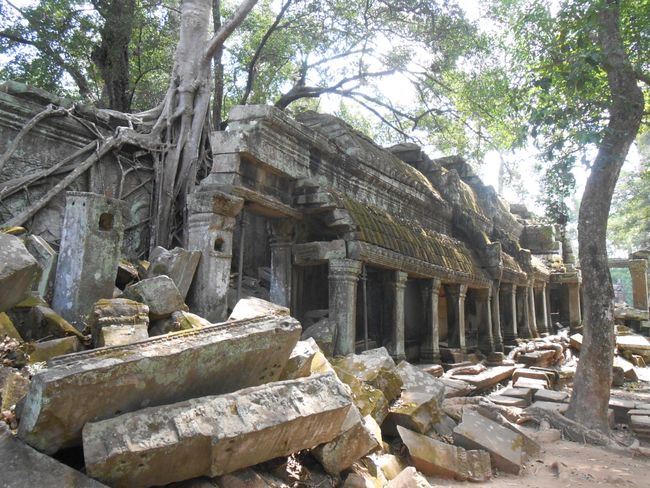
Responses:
[318,252]
[212,201]
[216,435]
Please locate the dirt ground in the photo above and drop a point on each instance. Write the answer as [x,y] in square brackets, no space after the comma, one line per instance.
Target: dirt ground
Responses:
[568,464]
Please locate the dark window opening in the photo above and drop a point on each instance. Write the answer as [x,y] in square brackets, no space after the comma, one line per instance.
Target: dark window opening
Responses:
[106,221]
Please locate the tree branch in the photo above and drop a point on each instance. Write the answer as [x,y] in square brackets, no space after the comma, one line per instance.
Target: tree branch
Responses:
[220,37]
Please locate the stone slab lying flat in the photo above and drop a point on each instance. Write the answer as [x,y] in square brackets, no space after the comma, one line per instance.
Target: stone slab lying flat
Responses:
[557,407]
[436,458]
[640,425]
[487,378]
[106,382]
[504,445]
[23,466]
[551,396]
[212,436]
[514,392]
[508,401]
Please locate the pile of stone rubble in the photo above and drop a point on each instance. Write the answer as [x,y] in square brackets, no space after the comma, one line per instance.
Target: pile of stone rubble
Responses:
[149,394]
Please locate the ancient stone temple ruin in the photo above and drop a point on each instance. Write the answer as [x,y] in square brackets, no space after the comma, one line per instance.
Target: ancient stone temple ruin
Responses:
[397,249]
[379,246]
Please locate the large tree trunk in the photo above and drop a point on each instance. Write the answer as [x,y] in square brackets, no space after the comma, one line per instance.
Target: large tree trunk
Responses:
[112,55]
[590,398]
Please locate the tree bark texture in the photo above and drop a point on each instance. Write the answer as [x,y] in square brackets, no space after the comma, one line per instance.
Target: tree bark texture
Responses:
[590,398]
[111,56]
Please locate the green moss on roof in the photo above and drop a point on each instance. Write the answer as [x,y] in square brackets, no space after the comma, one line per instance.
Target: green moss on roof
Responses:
[408,237]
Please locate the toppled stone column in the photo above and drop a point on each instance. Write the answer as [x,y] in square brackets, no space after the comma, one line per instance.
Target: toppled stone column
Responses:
[281,241]
[106,382]
[18,269]
[343,278]
[212,436]
[179,264]
[430,350]
[210,224]
[89,254]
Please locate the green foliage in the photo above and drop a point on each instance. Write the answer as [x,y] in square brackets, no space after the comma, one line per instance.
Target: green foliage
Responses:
[556,66]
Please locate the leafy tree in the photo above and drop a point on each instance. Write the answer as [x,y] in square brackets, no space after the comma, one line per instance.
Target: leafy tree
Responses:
[629,221]
[115,52]
[581,65]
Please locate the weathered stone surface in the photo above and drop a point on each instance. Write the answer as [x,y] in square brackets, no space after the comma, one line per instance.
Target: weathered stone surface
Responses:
[445,426]
[18,270]
[413,378]
[504,445]
[508,401]
[13,390]
[46,350]
[551,396]
[23,466]
[389,464]
[106,382]
[434,370]
[525,393]
[365,475]
[456,388]
[324,333]
[356,441]
[46,257]
[557,407]
[91,242]
[7,328]
[212,436]
[621,407]
[640,425]
[119,321]
[409,478]
[176,322]
[368,399]
[159,294]
[416,410]
[375,368]
[439,459]
[300,361]
[179,264]
[127,273]
[488,378]
[51,324]
[248,308]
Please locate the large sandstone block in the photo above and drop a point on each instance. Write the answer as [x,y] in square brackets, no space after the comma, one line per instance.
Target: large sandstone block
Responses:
[212,436]
[179,264]
[159,294]
[356,441]
[413,378]
[504,445]
[416,410]
[119,321]
[439,459]
[18,269]
[106,382]
[24,467]
[375,368]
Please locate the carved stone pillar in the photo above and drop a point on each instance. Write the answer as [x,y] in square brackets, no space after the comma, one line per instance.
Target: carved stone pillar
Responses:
[484,309]
[544,326]
[210,224]
[281,272]
[639,273]
[343,278]
[532,311]
[575,315]
[398,286]
[496,317]
[510,334]
[456,307]
[549,317]
[430,350]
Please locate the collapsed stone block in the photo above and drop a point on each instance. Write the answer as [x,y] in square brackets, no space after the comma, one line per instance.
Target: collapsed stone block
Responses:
[375,368]
[356,440]
[176,322]
[248,308]
[409,478]
[7,328]
[416,410]
[551,396]
[389,464]
[179,264]
[488,378]
[300,361]
[18,270]
[244,478]
[47,258]
[119,321]
[436,458]
[324,333]
[14,388]
[504,445]
[46,350]
[368,399]
[159,294]
[212,436]
[508,401]
[89,254]
[413,378]
[106,382]
[23,466]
